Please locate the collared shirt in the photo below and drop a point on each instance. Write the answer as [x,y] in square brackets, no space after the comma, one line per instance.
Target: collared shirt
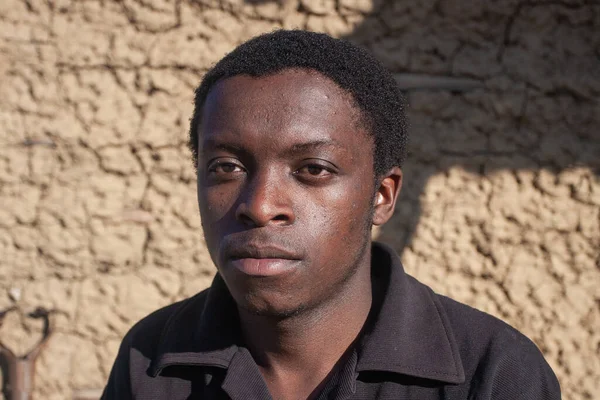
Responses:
[415,345]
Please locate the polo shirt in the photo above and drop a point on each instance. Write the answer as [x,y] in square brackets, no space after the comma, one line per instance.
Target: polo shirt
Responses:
[415,344]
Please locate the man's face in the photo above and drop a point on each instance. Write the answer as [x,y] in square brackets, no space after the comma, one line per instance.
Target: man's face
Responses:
[285,188]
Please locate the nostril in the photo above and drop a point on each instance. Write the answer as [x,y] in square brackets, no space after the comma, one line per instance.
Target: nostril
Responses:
[246,220]
[249,221]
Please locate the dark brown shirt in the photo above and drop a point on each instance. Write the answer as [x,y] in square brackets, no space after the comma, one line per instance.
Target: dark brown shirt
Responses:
[415,345]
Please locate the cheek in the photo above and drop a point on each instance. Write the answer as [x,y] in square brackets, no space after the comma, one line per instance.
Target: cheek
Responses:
[216,202]
[345,213]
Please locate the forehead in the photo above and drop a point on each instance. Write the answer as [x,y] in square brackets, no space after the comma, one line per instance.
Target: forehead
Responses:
[293,102]
[291,85]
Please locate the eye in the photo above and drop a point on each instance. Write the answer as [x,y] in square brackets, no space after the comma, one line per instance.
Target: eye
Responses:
[315,170]
[314,173]
[226,168]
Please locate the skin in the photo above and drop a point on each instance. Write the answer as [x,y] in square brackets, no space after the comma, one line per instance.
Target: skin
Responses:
[286,171]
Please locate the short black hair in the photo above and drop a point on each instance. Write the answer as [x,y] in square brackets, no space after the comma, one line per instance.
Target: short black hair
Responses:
[372,86]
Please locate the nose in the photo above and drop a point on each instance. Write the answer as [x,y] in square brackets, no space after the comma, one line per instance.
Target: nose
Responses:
[265,202]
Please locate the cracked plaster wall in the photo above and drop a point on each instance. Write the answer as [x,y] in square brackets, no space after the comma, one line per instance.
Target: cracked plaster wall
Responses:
[98,217]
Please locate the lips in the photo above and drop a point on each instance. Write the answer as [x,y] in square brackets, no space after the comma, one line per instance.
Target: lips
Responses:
[262,260]
[261,251]
[264,266]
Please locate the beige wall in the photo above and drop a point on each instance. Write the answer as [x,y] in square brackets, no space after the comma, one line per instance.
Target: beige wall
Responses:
[98,218]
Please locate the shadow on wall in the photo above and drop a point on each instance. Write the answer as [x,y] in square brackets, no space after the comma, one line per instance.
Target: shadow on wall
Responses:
[491,86]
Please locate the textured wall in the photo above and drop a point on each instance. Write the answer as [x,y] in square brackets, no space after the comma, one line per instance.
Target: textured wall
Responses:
[98,217]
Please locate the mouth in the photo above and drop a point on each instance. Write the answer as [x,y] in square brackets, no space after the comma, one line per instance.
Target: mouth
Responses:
[261,261]
[263,267]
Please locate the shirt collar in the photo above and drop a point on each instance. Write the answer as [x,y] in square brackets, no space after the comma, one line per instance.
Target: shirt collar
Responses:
[204,331]
[407,332]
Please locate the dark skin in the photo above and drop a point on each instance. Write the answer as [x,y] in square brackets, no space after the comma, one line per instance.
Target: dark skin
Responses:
[288,197]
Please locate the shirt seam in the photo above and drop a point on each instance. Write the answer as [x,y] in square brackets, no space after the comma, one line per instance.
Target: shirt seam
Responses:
[403,366]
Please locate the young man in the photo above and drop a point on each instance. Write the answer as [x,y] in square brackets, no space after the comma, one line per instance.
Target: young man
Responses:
[299,140]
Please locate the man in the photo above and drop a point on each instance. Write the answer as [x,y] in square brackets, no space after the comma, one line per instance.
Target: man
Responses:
[299,141]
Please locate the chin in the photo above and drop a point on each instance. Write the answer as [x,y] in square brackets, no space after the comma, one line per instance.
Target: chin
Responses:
[271,308]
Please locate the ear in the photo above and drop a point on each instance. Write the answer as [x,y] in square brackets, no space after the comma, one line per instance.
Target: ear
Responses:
[386,196]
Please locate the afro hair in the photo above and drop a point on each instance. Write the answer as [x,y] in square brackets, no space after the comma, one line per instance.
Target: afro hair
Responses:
[352,68]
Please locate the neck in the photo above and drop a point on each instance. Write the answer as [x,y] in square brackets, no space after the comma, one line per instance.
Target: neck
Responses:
[306,347]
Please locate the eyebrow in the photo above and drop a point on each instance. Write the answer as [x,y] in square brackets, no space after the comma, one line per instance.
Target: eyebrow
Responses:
[300,148]
[211,144]
[295,149]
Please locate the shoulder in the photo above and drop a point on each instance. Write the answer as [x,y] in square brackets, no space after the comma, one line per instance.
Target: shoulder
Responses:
[477,331]
[147,334]
[139,347]
[477,327]
[499,361]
